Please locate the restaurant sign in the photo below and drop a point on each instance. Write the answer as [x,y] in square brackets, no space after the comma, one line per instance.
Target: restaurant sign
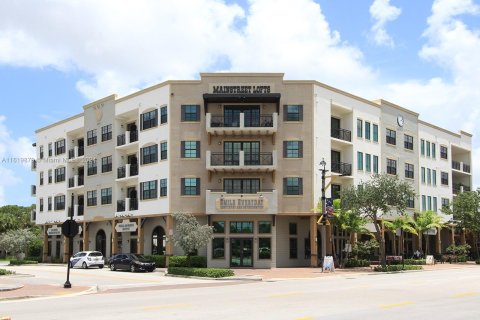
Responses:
[241,204]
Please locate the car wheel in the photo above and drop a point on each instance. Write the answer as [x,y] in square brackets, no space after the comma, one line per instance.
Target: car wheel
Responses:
[84,265]
[100,267]
[112,267]
[132,268]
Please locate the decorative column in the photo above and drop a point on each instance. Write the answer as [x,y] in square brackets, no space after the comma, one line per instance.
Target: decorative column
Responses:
[86,241]
[438,242]
[45,244]
[169,244]
[114,238]
[313,242]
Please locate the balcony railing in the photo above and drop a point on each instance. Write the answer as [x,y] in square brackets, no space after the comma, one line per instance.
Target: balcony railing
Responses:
[120,205]
[250,159]
[121,172]
[342,134]
[133,204]
[81,151]
[121,139]
[71,182]
[456,165]
[345,169]
[71,153]
[466,168]
[80,180]
[76,181]
[80,210]
[127,137]
[128,170]
[266,123]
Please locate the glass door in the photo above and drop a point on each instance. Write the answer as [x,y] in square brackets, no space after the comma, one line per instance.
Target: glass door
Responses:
[241,253]
[252,152]
[231,151]
[241,185]
[252,116]
[232,116]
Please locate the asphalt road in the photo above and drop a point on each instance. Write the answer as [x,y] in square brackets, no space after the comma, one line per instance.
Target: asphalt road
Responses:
[444,294]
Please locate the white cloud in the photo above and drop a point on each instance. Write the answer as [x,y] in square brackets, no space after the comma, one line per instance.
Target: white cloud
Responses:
[382,12]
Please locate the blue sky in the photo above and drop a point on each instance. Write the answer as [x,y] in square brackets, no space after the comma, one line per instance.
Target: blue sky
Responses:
[56,56]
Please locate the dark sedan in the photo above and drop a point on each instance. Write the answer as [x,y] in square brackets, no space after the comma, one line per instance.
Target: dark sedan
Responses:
[130,261]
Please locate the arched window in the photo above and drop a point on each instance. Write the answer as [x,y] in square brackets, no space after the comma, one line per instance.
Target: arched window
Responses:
[158,241]
[101,242]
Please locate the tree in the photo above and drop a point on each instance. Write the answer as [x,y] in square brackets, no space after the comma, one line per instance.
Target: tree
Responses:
[466,211]
[424,221]
[16,241]
[190,235]
[382,194]
[14,217]
[404,224]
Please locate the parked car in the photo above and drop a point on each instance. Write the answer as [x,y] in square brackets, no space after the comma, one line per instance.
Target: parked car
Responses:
[87,259]
[130,261]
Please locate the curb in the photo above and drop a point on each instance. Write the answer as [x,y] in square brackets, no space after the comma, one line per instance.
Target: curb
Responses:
[12,287]
[250,278]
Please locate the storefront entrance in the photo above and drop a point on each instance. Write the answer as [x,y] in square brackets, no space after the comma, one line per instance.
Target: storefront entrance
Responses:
[241,253]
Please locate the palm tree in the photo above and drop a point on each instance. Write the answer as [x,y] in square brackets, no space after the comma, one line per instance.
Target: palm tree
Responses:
[424,221]
[404,224]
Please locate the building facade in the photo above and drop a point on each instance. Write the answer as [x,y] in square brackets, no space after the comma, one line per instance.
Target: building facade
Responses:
[241,152]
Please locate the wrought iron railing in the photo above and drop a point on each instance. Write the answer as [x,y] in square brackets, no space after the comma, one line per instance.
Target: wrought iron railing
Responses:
[345,169]
[342,134]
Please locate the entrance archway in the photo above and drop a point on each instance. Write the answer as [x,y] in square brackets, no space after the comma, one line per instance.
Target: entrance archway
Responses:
[158,241]
[101,242]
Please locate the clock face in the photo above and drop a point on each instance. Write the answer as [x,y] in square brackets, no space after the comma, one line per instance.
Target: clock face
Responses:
[400,121]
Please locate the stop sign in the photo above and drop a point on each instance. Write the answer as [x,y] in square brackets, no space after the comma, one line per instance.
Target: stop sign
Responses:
[70,228]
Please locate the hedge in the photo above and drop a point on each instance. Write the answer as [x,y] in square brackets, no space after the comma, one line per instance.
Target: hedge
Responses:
[353,263]
[201,272]
[391,268]
[415,262]
[158,259]
[181,261]
[4,272]
[15,262]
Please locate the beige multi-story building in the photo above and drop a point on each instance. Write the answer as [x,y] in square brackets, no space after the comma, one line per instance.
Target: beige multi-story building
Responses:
[241,152]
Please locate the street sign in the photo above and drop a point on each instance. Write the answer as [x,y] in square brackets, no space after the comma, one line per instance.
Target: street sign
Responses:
[70,228]
[126,226]
[54,231]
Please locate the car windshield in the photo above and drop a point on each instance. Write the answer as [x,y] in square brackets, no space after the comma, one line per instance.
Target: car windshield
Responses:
[137,257]
[96,254]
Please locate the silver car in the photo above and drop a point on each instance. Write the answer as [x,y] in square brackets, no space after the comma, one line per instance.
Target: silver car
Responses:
[87,259]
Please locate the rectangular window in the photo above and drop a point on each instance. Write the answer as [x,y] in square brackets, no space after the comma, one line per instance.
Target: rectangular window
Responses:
[434,151]
[149,154]
[375,164]
[424,180]
[445,203]
[391,137]
[60,147]
[49,203]
[292,228]
[443,152]
[391,166]
[359,161]
[148,190]
[336,189]
[359,128]
[428,148]
[41,204]
[409,169]
[368,162]
[163,150]
[149,120]
[50,152]
[241,227]
[91,167]
[49,176]
[41,152]
[444,178]
[429,176]
[367,130]
[375,132]
[424,203]
[107,132]
[41,178]
[91,137]
[429,198]
[293,250]
[218,248]
[190,149]
[408,142]
[422,147]
[434,177]
[60,174]
[59,202]
[293,149]
[411,202]
[163,187]
[190,186]
[264,248]
[293,113]
[218,226]
[107,164]
[91,198]
[435,204]
[292,186]
[190,113]
[106,195]
[163,115]
[264,227]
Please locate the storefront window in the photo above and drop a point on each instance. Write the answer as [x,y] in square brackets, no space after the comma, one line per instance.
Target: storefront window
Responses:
[218,226]
[264,248]
[264,227]
[218,248]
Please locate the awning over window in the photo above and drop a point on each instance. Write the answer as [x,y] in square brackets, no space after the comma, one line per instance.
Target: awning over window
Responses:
[242,98]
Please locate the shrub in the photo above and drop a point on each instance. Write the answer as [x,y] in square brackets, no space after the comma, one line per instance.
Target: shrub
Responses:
[396,268]
[4,272]
[15,262]
[415,262]
[34,258]
[201,272]
[353,263]
[195,261]
[456,258]
[477,261]
[461,250]
[365,249]
[158,259]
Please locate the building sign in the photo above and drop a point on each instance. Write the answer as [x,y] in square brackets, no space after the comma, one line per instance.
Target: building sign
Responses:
[241,204]
[239,89]
[54,231]
[126,226]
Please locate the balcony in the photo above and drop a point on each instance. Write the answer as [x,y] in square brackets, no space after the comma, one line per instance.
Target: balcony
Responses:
[459,188]
[265,124]
[124,141]
[75,182]
[76,152]
[120,205]
[33,190]
[242,162]
[128,204]
[456,165]
[342,168]
[220,202]
[34,165]
[127,172]
[341,134]
[461,167]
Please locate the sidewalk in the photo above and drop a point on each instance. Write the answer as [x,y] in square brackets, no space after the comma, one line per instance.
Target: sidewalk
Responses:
[10,290]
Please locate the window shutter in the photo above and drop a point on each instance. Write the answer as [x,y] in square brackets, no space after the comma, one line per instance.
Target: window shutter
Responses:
[156,188]
[198,149]
[141,122]
[198,112]
[156,117]
[141,155]
[198,186]
[300,109]
[300,149]
[183,113]
[284,186]
[300,186]
[285,108]
[182,184]
[141,191]
[285,149]
[182,149]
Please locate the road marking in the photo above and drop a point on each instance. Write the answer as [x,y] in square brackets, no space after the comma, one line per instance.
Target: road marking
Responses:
[395,305]
[283,295]
[167,306]
[304,318]
[465,294]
